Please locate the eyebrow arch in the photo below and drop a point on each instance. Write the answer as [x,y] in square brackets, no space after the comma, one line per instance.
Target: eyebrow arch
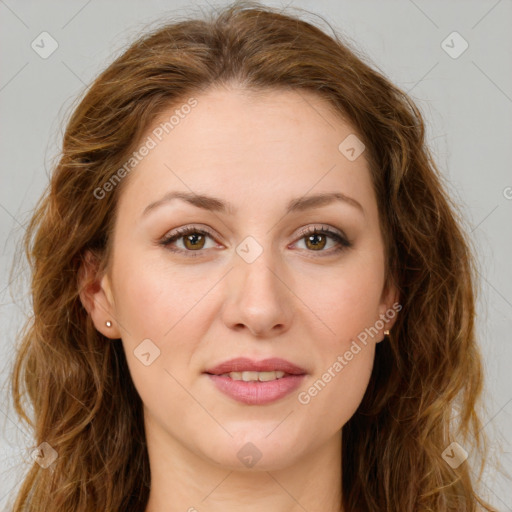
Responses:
[218,205]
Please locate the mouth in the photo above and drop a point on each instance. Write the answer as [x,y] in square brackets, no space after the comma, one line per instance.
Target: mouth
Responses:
[248,376]
[245,365]
[256,382]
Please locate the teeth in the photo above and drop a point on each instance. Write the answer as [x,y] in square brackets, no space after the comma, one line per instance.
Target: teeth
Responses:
[254,376]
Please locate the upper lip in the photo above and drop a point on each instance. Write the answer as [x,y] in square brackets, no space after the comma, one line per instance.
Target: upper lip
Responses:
[244,364]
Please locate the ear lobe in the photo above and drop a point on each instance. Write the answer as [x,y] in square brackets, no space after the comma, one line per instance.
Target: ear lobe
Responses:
[389,307]
[96,297]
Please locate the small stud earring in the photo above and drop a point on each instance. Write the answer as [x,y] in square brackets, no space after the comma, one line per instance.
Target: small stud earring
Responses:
[386,332]
[108,323]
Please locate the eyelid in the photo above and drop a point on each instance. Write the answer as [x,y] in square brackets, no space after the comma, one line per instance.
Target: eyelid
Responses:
[183,231]
[308,230]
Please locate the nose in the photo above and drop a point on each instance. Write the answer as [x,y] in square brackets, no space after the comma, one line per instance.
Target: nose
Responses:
[258,298]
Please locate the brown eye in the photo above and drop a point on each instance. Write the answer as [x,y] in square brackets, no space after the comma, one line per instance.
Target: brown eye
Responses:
[316,241]
[194,241]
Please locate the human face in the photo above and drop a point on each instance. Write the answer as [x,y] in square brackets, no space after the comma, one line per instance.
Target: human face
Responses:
[258,286]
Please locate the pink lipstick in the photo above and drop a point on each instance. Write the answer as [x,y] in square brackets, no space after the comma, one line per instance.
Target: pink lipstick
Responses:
[256,382]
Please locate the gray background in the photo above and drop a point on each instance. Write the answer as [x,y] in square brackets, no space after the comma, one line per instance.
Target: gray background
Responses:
[466,101]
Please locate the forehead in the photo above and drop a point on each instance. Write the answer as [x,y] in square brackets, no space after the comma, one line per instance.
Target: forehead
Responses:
[248,145]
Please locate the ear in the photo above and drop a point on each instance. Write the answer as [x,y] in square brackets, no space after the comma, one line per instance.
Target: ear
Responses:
[96,296]
[389,308]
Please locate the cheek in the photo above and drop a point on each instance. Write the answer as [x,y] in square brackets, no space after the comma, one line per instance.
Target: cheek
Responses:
[155,300]
[151,308]
[155,311]
[335,390]
[332,395]
[349,305]
[350,385]
[348,301]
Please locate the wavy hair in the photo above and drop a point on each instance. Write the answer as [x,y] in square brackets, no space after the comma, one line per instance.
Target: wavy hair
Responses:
[425,389]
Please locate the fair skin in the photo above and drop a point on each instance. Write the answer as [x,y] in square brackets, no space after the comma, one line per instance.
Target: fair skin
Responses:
[299,301]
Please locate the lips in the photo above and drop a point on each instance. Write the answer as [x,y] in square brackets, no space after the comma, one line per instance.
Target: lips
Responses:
[243,364]
[236,379]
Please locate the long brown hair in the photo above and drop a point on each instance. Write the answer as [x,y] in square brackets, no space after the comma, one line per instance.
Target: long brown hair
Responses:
[84,403]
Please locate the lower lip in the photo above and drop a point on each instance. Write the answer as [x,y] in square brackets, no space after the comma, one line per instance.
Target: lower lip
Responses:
[257,393]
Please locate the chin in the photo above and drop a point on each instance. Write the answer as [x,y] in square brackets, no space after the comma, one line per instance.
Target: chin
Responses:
[248,450]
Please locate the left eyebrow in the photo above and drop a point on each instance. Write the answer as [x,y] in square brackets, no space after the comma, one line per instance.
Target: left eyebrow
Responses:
[319,200]
[219,205]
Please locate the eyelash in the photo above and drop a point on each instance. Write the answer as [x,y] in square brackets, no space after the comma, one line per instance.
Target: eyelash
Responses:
[182,232]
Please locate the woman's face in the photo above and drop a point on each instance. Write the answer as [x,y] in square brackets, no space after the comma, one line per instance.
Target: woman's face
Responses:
[259,285]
